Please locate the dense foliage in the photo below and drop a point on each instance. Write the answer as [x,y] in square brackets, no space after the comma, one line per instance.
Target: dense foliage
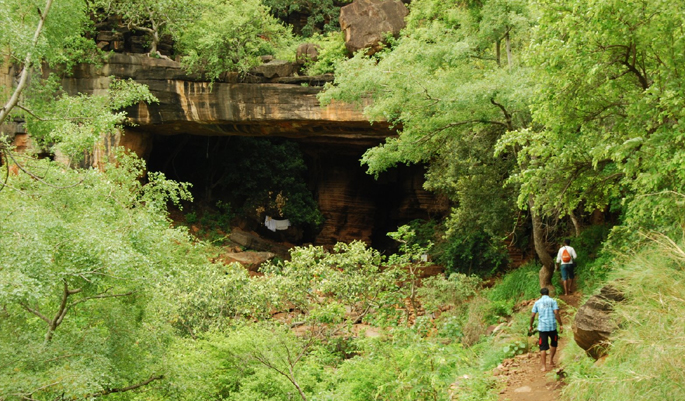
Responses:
[321,15]
[581,115]
[230,35]
[608,111]
[79,269]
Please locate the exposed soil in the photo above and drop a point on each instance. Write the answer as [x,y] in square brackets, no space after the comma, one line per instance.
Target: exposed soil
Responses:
[522,378]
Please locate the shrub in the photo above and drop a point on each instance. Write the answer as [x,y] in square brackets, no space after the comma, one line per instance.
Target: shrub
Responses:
[331,51]
[408,368]
[438,291]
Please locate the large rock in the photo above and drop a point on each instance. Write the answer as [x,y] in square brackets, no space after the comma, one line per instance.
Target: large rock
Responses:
[275,69]
[366,22]
[254,241]
[594,324]
[307,52]
[250,260]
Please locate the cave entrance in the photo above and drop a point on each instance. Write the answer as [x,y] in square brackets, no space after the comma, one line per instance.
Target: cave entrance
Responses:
[316,183]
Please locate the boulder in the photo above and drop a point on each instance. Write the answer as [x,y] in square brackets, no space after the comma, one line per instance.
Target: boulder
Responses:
[275,68]
[250,260]
[254,241]
[594,323]
[366,22]
[307,52]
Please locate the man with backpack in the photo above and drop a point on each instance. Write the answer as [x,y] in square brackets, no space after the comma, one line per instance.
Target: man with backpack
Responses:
[567,258]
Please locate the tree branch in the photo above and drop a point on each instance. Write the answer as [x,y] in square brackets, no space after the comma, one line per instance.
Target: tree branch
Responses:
[291,378]
[35,177]
[23,78]
[35,312]
[140,28]
[128,388]
[507,116]
[631,67]
[100,296]
[61,312]
[34,115]
[456,124]
[4,161]
[28,396]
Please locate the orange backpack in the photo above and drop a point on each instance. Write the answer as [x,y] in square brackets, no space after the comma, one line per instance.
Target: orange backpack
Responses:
[565,256]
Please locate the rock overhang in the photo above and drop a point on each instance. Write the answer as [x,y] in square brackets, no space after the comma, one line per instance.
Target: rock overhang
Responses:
[188,104]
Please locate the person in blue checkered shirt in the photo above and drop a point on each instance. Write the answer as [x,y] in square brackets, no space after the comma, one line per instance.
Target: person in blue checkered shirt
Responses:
[548,315]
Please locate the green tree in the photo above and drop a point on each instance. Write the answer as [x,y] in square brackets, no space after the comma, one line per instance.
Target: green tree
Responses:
[72,125]
[154,17]
[78,268]
[608,111]
[28,38]
[56,120]
[334,289]
[447,89]
[230,35]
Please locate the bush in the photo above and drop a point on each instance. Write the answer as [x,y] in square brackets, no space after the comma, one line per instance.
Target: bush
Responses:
[408,368]
[332,50]
[229,36]
[438,291]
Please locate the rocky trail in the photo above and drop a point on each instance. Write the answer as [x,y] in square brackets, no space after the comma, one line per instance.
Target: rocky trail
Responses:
[522,378]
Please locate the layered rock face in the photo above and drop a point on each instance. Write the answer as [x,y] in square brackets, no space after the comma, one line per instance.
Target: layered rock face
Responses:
[189,105]
[334,138]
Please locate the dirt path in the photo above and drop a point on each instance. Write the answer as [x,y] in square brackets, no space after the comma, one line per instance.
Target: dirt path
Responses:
[522,375]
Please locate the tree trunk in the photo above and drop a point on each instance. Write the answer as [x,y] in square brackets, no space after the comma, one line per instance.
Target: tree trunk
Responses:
[153,44]
[508,45]
[498,54]
[23,78]
[547,268]
[576,223]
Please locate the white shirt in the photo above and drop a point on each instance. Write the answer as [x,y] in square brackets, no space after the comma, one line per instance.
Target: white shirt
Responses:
[570,251]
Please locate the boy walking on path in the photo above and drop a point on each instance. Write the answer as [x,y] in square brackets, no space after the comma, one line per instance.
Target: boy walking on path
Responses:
[548,312]
[567,258]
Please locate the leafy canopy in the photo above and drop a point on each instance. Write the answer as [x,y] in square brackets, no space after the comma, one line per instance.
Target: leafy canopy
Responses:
[607,110]
[78,269]
[448,89]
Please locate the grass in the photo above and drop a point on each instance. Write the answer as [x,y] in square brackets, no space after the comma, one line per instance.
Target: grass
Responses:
[647,357]
[522,283]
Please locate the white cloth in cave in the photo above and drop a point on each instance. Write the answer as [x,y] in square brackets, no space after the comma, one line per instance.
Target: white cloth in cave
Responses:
[273,224]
